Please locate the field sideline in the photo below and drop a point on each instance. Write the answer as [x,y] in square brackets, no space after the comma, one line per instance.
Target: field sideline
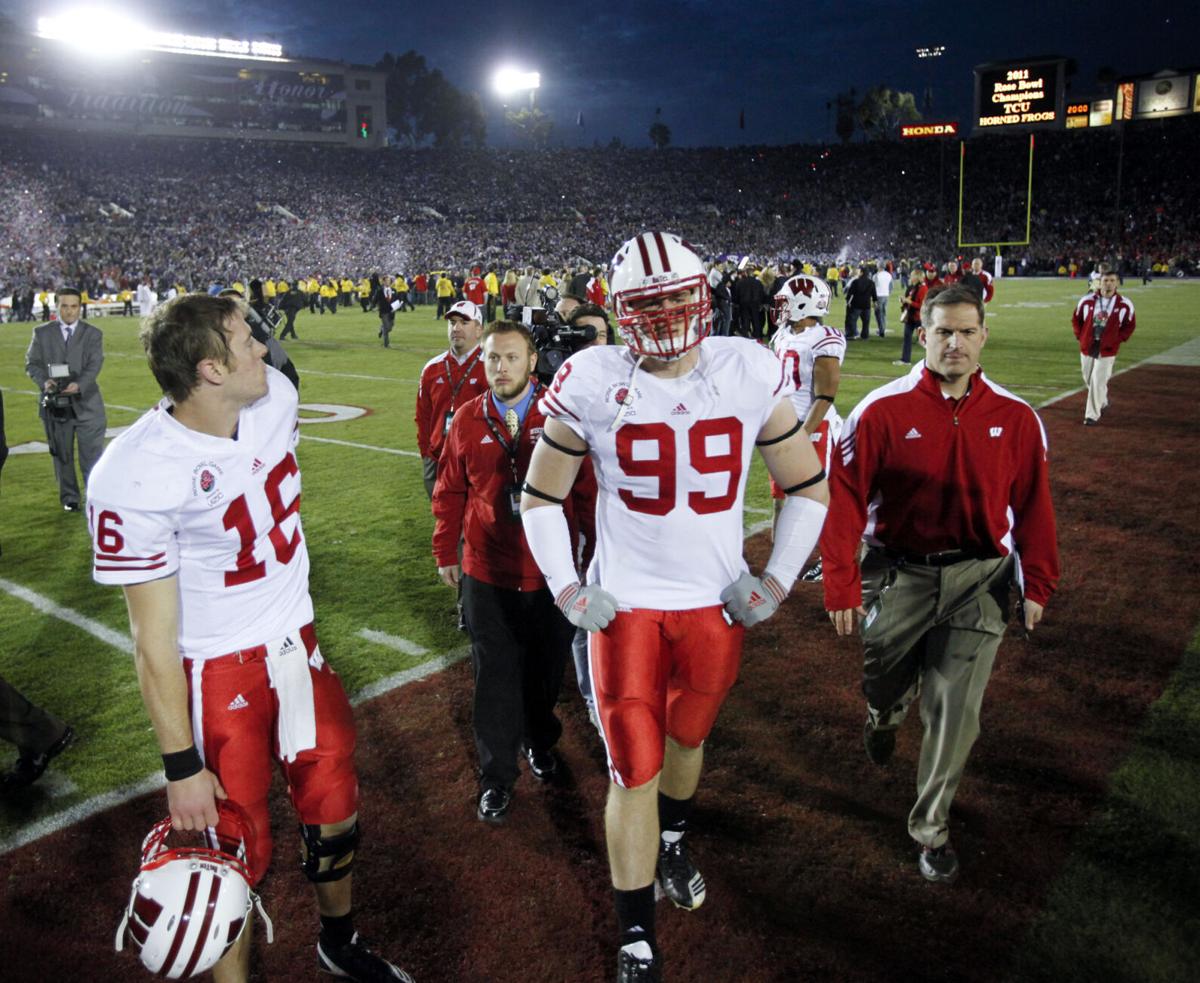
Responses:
[383,617]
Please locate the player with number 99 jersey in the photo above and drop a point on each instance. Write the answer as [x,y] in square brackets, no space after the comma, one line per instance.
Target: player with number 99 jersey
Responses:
[222,514]
[672,456]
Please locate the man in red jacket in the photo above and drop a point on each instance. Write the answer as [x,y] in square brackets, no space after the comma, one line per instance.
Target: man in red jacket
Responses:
[1103,322]
[943,474]
[519,638]
[447,382]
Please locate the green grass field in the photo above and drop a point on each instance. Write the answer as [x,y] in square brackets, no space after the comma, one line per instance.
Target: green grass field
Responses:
[368,529]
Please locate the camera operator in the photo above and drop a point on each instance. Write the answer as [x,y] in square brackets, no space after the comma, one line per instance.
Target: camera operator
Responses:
[64,359]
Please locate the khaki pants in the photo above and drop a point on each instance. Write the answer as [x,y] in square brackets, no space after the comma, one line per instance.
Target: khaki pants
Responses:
[932,632]
[1096,372]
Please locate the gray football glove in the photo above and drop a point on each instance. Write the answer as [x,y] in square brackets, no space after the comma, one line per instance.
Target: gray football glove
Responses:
[590,608]
[751,599]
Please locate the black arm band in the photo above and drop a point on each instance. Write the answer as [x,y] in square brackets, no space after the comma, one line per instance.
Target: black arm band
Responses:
[528,489]
[182,764]
[819,476]
[559,447]
[780,438]
[828,399]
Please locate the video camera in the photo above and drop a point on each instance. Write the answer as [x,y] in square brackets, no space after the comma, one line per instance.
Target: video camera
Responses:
[554,339]
[55,402]
[265,323]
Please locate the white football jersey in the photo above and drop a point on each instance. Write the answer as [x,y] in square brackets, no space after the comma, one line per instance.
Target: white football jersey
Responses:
[799,353]
[221,514]
[672,474]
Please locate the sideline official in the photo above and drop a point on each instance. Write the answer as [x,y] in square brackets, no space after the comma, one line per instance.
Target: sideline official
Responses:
[943,474]
[64,360]
[519,638]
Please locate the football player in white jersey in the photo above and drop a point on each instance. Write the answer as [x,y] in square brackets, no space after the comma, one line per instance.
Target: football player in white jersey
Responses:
[195,512]
[812,353]
[669,421]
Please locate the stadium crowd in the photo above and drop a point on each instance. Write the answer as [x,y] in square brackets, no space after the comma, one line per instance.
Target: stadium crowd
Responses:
[192,212]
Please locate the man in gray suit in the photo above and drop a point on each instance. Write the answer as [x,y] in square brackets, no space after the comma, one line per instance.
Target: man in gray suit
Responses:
[64,359]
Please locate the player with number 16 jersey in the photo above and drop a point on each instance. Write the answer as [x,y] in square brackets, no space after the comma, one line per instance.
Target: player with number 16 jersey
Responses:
[223,514]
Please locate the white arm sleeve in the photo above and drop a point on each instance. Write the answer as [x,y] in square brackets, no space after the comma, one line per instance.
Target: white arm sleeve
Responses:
[796,534]
[549,541]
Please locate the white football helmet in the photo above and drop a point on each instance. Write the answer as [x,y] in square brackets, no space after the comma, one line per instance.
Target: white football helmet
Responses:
[652,266]
[189,905]
[801,296]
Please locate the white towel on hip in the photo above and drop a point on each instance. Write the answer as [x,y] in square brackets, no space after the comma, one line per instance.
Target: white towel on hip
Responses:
[287,668]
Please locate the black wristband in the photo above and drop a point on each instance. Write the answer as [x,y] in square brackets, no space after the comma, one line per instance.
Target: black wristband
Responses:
[182,764]
[828,399]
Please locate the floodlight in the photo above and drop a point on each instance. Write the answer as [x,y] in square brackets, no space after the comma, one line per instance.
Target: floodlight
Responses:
[509,80]
[100,32]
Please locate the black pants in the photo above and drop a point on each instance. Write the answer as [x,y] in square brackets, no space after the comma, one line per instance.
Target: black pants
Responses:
[853,315]
[443,305]
[290,326]
[27,726]
[519,647]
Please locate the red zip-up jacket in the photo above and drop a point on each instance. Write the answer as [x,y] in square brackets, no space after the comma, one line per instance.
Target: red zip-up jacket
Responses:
[436,396]
[1120,324]
[918,473]
[471,497]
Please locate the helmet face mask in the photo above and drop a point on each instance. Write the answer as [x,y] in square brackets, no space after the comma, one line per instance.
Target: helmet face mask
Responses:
[189,904]
[648,271]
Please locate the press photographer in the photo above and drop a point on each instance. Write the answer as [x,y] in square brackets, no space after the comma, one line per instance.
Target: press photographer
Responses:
[556,338]
[64,360]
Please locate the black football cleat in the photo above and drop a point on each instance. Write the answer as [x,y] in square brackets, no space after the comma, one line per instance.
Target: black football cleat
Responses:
[29,768]
[678,877]
[354,961]
[634,966]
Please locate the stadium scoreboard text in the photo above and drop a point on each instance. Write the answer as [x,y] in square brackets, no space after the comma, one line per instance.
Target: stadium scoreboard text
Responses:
[1022,94]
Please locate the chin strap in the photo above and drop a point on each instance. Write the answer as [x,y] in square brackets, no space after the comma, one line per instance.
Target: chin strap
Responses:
[257,902]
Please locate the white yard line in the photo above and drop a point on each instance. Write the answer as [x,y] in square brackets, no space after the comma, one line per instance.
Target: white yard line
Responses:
[118,640]
[361,447]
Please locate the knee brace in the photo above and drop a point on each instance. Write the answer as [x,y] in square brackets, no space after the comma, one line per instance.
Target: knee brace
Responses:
[337,850]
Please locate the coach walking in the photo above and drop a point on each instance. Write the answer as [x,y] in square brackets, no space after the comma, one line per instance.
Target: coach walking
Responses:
[946,473]
[1102,322]
[519,638]
[64,360]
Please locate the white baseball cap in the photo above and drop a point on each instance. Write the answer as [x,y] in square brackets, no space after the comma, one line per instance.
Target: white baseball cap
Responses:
[467,309]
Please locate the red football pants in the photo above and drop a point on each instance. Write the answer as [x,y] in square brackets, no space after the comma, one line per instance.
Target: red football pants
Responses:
[659,673]
[235,717]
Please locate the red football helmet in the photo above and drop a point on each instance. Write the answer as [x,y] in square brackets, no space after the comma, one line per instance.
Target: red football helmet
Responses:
[189,904]
[651,267]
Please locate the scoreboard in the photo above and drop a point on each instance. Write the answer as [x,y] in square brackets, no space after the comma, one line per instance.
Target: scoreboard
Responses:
[1019,95]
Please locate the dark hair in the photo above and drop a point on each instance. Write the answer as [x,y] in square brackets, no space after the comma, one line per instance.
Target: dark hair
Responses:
[1106,270]
[955,293]
[592,310]
[508,327]
[68,292]
[183,332]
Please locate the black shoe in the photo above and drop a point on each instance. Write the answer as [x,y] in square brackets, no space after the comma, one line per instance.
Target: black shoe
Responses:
[1088,422]
[354,961]
[678,876]
[494,804]
[70,506]
[938,864]
[632,969]
[543,764]
[28,769]
[879,743]
[813,574]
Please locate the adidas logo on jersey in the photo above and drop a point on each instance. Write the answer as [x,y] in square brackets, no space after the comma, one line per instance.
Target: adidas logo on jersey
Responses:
[913,434]
[239,702]
[287,646]
[486,440]
[257,466]
[680,410]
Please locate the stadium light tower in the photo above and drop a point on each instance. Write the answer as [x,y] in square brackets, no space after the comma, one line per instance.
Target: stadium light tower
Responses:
[508,81]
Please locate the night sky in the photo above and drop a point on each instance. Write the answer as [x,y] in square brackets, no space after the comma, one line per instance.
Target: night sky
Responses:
[700,63]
